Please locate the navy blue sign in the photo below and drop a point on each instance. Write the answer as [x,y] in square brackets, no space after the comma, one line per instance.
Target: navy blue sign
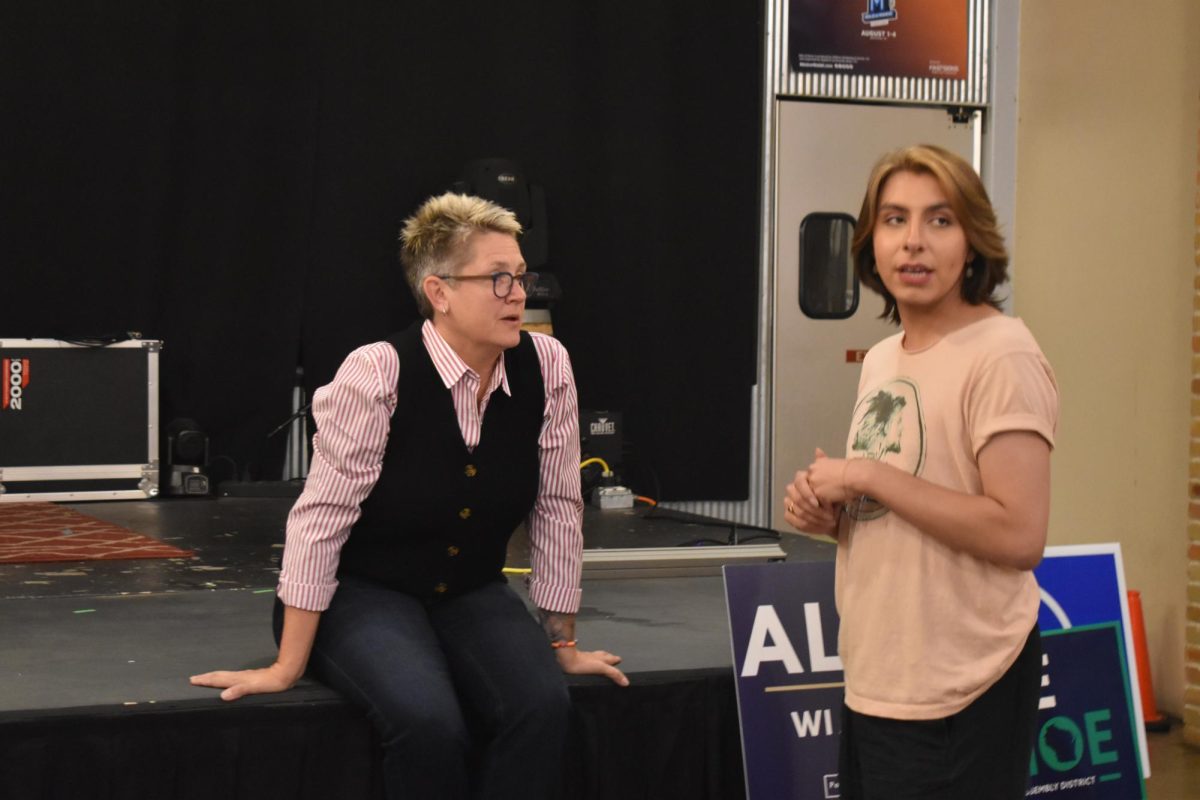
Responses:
[1087,744]
[789,678]
[1085,585]
[1078,588]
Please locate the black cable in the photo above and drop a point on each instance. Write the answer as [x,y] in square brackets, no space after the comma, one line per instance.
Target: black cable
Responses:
[656,511]
[629,454]
[766,533]
[295,416]
[698,542]
[212,462]
[590,478]
[774,537]
[734,527]
[103,340]
[697,519]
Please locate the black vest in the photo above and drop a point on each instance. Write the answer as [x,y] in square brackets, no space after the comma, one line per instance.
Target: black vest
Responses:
[438,521]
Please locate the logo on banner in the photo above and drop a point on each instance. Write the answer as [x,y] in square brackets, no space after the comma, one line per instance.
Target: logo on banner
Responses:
[879,12]
[602,427]
[15,373]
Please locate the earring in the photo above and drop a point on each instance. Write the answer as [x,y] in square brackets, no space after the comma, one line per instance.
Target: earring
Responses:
[970,272]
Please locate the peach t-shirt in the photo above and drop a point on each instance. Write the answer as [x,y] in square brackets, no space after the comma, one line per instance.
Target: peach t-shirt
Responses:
[925,629]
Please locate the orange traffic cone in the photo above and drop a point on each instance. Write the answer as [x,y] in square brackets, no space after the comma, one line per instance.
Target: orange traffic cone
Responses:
[1155,720]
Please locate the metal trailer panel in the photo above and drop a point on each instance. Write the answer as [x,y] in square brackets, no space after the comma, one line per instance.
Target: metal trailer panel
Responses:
[780,82]
[824,152]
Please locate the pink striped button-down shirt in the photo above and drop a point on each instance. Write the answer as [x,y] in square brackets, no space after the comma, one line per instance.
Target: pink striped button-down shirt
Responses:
[353,415]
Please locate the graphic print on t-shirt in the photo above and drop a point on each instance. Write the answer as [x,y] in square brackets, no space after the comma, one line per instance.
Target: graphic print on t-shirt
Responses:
[888,425]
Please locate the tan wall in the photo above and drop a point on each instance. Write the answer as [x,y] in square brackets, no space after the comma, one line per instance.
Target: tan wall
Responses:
[1103,275]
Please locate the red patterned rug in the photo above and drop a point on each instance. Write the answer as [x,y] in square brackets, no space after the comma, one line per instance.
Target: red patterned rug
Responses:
[46,532]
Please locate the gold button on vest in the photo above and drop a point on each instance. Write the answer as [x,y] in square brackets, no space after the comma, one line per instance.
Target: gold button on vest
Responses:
[452,551]
[470,471]
[441,588]
[465,513]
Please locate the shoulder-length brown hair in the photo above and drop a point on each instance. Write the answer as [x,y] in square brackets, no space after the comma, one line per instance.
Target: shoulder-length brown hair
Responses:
[969,201]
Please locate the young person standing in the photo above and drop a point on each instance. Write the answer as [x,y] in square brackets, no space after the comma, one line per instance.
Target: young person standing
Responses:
[940,508]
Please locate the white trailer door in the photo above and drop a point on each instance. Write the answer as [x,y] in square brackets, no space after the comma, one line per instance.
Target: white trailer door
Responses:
[824,152]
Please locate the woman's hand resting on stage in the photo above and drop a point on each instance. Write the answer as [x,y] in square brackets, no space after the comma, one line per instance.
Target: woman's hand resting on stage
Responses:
[240,683]
[299,630]
[591,662]
[560,628]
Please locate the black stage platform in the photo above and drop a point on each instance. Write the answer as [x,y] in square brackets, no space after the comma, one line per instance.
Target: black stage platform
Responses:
[94,657]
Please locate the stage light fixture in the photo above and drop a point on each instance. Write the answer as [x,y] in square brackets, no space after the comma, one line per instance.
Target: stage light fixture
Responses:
[187,459]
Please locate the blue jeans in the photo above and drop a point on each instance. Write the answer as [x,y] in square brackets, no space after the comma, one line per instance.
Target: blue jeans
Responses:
[466,693]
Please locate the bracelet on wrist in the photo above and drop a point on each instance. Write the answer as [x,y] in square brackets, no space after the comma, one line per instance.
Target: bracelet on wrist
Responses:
[561,643]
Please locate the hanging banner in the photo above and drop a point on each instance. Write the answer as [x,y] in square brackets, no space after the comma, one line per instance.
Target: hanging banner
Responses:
[784,627]
[891,38]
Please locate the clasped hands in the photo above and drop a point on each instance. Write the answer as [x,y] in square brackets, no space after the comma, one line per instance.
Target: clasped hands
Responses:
[815,497]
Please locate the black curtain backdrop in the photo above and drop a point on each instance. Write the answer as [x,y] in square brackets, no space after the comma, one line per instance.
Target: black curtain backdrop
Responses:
[230,177]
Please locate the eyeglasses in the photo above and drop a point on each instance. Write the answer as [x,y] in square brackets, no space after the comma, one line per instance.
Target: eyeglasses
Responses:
[502,282]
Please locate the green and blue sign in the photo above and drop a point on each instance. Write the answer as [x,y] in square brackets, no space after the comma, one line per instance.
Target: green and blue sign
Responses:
[1086,743]
[1084,585]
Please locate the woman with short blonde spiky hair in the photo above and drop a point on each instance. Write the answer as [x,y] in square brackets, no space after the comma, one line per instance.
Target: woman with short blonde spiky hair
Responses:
[432,447]
[431,240]
[941,505]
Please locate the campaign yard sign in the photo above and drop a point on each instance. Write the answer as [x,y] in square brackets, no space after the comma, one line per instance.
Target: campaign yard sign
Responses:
[1085,585]
[1086,743]
[784,630]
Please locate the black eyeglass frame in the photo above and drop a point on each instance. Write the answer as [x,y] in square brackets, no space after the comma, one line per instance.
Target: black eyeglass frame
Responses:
[527,280]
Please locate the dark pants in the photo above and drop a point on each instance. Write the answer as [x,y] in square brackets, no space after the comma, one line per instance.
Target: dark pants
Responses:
[466,692]
[980,753]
